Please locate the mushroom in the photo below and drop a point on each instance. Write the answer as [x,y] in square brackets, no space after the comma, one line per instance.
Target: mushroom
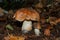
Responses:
[27,16]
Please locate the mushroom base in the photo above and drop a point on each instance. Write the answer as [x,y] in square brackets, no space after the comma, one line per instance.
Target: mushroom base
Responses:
[27,26]
[37,32]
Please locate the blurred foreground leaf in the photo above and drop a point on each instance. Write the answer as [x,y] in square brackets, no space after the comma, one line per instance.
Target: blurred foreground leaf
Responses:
[11,37]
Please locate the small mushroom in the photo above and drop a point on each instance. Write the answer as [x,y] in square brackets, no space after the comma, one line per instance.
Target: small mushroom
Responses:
[27,16]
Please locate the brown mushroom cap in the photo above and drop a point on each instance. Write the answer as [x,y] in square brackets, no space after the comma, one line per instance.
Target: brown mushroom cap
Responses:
[26,14]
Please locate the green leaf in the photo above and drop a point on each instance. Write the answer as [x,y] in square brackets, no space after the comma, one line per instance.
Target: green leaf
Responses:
[9,27]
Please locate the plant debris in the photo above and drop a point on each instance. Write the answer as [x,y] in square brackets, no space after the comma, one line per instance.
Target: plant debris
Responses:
[8,26]
[11,37]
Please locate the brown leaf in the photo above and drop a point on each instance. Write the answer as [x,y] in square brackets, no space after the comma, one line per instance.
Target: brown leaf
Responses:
[47,32]
[11,37]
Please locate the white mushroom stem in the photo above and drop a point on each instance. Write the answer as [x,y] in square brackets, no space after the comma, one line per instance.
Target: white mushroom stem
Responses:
[27,26]
[37,32]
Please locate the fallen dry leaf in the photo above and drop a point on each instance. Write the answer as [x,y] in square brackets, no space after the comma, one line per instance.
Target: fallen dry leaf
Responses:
[47,32]
[11,37]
